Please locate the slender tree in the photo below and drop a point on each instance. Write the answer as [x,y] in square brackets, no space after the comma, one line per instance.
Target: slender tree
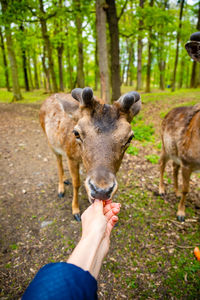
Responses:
[114,46]
[177,44]
[4,61]
[24,60]
[35,64]
[139,47]
[47,81]
[102,50]
[48,46]
[80,64]
[11,53]
[150,38]
[193,81]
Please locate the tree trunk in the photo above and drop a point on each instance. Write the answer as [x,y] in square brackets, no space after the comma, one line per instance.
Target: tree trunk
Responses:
[37,86]
[193,81]
[71,83]
[177,46]
[114,46]
[181,73]
[102,50]
[12,58]
[148,79]
[5,62]
[60,50]
[139,50]
[80,65]
[130,61]
[96,65]
[24,61]
[162,74]
[47,43]
[30,73]
[160,51]
[47,82]
[193,75]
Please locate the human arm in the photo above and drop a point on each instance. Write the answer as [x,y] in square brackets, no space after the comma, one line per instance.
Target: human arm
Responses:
[97,224]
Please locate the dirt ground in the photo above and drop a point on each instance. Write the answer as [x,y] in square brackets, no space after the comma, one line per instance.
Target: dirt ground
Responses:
[37,227]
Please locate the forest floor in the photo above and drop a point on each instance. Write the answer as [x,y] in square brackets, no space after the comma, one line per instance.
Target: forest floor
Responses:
[151,254]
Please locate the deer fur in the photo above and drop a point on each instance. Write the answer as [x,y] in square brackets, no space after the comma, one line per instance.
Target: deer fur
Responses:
[88,131]
[181,143]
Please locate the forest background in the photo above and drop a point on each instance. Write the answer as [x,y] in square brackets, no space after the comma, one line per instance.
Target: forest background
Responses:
[59,45]
[113,47]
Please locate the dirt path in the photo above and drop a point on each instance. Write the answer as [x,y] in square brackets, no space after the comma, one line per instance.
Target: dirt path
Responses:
[37,227]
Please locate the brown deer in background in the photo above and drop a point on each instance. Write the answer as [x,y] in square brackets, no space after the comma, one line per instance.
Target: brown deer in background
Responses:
[181,143]
[88,131]
[181,139]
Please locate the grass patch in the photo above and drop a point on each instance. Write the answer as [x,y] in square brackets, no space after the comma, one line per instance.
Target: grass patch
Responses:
[132,150]
[28,97]
[14,247]
[143,132]
[152,158]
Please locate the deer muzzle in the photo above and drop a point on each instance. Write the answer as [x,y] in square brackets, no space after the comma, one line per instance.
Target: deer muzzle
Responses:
[101,185]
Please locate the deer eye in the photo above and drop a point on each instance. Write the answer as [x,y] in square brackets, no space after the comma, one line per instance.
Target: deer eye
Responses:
[77,135]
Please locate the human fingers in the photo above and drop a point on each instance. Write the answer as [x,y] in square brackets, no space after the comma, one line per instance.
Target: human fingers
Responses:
[112,212]
[98,206]
[113,220]
[110,206]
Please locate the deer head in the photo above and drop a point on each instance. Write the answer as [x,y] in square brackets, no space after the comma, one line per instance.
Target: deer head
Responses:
[103,133]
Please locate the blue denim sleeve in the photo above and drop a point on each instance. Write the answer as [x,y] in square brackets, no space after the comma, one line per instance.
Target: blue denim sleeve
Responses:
[61,281]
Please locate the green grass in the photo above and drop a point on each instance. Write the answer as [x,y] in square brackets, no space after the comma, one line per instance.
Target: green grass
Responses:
[143,132]
[132,150]
[28,97]
[181,94]
[153,158]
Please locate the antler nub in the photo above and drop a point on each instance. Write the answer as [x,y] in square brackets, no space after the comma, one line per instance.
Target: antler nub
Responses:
[87,96]
[76,94]
[128,100]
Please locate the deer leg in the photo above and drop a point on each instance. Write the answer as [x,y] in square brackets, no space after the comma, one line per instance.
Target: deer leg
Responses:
[181,206]
[176,168]
[74,171]
[163,160]
[61,188]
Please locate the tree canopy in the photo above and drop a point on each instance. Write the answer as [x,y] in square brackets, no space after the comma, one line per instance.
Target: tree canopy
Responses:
[54,44]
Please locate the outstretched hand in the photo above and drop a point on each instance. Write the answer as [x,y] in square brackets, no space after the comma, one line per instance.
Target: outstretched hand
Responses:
[97,224]
[98,221]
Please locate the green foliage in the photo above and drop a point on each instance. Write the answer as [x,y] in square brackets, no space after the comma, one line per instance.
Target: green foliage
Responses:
[143,132]
[186,271]
[28,97]
[132,150]
[153,158]
[62,31]
[14,246]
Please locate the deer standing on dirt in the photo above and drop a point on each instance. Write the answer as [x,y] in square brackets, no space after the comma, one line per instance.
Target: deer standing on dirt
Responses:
[181,143]
[88,131]
[181,139]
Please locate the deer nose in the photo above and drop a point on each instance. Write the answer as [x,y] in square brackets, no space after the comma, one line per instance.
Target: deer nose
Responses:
[100,193]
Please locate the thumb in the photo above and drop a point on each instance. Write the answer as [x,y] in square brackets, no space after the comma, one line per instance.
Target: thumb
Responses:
[98,205]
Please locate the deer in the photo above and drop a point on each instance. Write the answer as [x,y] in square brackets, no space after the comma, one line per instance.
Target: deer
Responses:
[180,136]
[181,143]
[94,133]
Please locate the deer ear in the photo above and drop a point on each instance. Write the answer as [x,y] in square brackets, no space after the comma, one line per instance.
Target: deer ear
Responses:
[76,94]
[84,96]
[130,103]
[87,97]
